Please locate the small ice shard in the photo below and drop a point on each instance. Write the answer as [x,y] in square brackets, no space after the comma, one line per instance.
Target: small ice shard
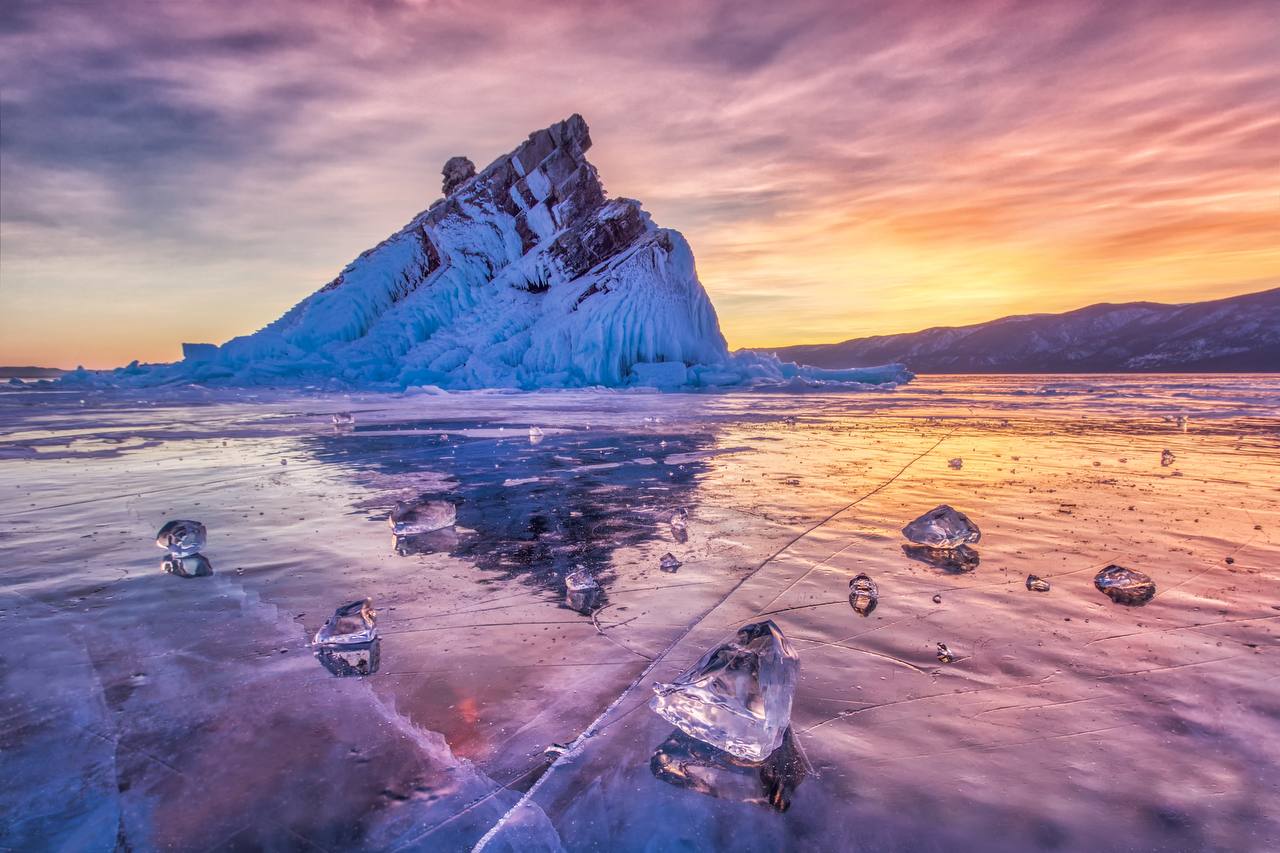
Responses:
[1035,583]
[680,518]
[181,538]
[696,766]
[956,463]
[737,697]
[669,563]
[351,659]
[190,566]
[409,518]
[1125,586]
[1182,422]
[937,599]
[942,527]
[536,435]
[1166,458]
[582,592]
[350,624]
[863,595]
[954,560]
[341,419]
[945,654]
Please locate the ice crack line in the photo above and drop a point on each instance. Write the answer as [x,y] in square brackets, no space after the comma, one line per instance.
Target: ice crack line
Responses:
[591,729]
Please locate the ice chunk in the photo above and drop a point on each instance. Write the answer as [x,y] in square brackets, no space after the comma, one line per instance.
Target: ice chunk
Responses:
[1035,583]
[688,763]
[680,518]
[181,538]
[343,419]
[945,654]
[352,658]
[669,563]
[536,435]
[1166,458]
[956,463]
[953,560]
[1125,586]
[942,527]
[863,595]
[937,599]
[582,592]
[737,697]
[190,566]
[409,518]
[350,624]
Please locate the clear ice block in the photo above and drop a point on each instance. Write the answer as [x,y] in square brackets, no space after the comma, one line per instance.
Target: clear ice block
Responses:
[669,563]
[409,518]
[1166,458]
[942,527]
[582,592]
[737,697]
[863,595]
[1124,586]
[181,538]
[343,419]
[1035,583]
[350,624]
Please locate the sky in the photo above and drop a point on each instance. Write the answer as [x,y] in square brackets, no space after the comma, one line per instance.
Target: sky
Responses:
[174,171]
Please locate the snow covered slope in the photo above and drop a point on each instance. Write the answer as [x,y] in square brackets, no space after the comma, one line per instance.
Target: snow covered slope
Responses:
[524,276]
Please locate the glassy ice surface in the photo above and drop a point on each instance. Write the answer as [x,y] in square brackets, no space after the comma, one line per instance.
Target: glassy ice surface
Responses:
[1035,583]
[942,527]
[410,518]
[190,566]
[351,623]
[863,595]
[1125,586]
[146,711]
[181,538]
[669,563]
[737,697]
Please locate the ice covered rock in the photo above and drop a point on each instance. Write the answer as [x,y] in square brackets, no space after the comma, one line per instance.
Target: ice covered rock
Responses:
[863,594]
[737,697]
[942,527]
[181,538]
[350,624]
[526,275]
[1129,587]
[410,518]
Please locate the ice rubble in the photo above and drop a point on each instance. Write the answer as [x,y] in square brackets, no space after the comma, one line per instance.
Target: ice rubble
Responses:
[524,276]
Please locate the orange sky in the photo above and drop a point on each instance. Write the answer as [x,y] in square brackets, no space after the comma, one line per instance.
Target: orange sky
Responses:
[840,169]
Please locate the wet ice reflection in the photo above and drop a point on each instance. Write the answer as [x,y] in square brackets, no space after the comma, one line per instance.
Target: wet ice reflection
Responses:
[191,566]
[689,763]
[952,560]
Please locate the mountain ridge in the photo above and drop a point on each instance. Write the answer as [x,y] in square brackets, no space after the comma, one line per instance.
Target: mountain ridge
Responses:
[1231,334]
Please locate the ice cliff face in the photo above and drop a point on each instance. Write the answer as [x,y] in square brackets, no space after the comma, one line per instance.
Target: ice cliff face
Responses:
[525,275]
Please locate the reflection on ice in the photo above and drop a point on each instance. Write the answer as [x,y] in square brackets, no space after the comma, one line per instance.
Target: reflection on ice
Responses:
[354,659]
[190,566]
[952,560]
[441,541]
[409,518]
[686,762]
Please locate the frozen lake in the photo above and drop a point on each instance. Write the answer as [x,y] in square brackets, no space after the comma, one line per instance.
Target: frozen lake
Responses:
[143,710]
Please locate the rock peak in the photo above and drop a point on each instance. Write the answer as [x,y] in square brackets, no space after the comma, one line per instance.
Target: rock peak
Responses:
[457,171]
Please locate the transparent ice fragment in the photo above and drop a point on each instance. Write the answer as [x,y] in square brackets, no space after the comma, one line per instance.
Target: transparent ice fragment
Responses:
[341,419]
[937,599]
[680,518]
[953,560]
[582,592]
[350,624]
[536,435]
[945,654]
[863,595]
[409,518]
[352,659]
[181,538]
[1125,586]
[737,697]
[942,527]
[1035,583]
[669,563]
[956,463]
[688,763]
[190,566]
[1166,458]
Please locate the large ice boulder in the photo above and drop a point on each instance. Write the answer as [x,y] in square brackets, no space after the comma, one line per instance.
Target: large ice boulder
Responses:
[525,275]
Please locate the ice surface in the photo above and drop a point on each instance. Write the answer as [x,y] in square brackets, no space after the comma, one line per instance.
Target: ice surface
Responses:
[1129,587]
[1035,583]
[350,624]
[181,538]
[942,527]
[190,566]
[737,697]
[955,560]
[863,595]
[669,563]
[411,518]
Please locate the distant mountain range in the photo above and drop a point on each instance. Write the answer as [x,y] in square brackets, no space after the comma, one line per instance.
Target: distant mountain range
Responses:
[1241,333]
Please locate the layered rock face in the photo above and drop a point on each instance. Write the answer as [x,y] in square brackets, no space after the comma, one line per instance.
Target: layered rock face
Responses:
[525,275]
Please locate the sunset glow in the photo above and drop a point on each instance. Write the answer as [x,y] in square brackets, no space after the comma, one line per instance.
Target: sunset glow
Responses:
[172,172]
